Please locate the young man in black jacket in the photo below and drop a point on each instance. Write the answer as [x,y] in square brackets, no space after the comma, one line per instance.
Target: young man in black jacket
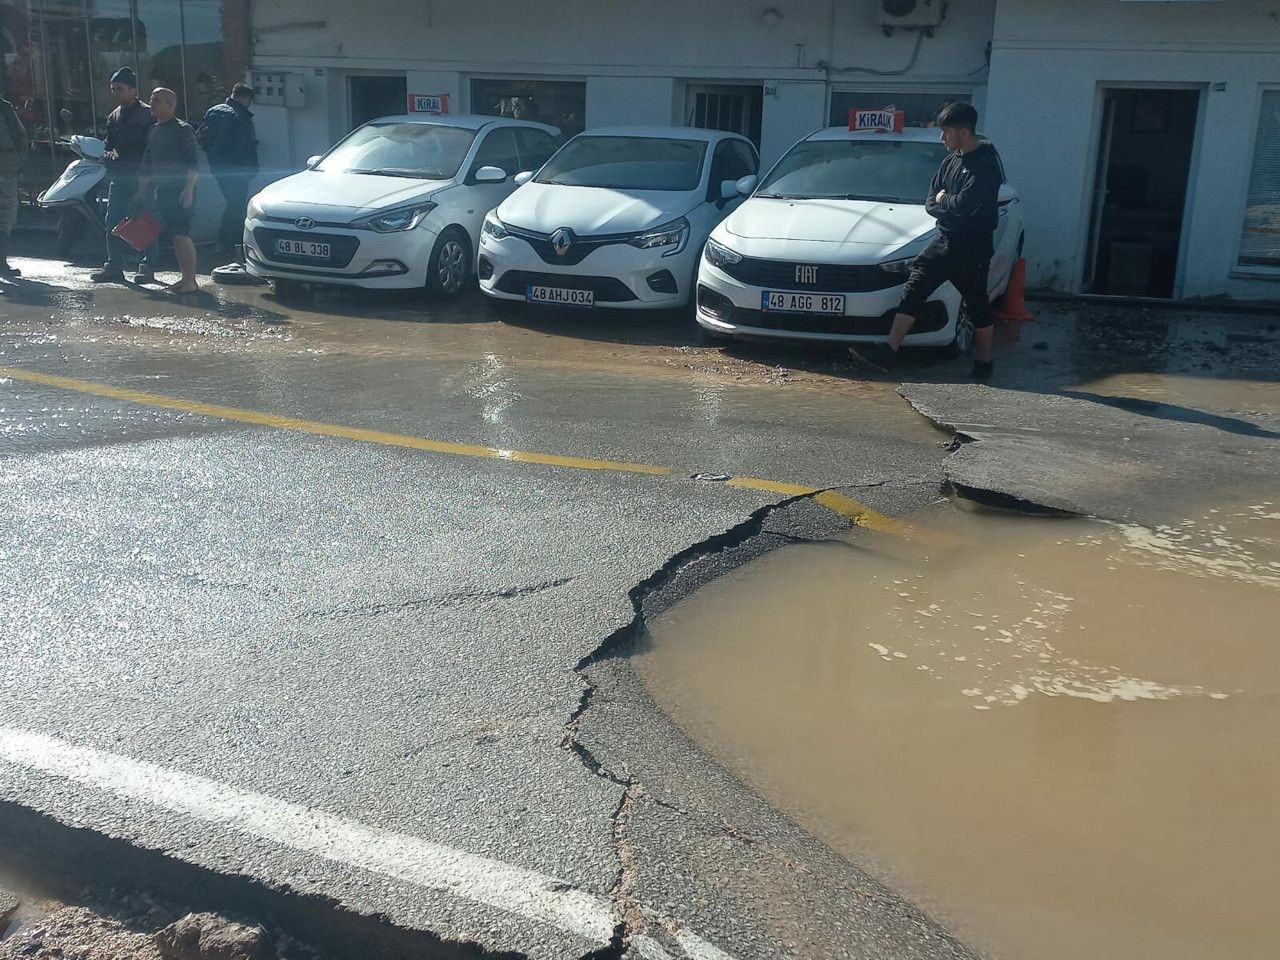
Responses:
[964,199]
[127,128]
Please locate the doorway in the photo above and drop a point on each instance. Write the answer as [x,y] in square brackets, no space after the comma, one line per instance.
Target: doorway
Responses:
[1140,191]
[373,97]
[734,108]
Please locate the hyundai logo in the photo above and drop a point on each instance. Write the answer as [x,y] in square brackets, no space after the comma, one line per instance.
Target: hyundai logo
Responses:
[561,241]
[304,223]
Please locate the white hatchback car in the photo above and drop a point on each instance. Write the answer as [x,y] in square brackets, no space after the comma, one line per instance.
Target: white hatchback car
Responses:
[822,249]
[617,218]
[397,203]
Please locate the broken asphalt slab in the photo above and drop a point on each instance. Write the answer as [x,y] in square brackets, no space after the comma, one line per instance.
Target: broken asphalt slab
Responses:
[1097,457]
[346,672]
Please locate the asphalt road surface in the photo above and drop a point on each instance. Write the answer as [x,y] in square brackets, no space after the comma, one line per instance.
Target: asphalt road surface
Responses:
[335,595]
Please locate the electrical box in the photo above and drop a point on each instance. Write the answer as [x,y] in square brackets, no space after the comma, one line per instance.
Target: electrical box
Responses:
[276,89]
[911,14]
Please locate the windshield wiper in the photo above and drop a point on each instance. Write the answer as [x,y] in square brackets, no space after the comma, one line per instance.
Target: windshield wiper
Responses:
[410,174]
[783,196]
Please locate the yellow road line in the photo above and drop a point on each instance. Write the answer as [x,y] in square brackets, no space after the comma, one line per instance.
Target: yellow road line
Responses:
[859,513]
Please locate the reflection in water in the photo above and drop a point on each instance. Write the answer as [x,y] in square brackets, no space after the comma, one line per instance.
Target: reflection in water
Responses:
[1058,735]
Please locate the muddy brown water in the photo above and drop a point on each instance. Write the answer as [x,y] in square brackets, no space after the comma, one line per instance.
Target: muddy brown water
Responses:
[1057,735]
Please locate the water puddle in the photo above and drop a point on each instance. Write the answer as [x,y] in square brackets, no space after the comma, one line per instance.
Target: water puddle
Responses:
[1057,735]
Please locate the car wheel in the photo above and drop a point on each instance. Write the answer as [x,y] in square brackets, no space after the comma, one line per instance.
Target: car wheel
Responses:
[962,342]
[450,267]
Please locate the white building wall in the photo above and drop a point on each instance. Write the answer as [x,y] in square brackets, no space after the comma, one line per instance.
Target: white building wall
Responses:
[635,57]
[1050,61]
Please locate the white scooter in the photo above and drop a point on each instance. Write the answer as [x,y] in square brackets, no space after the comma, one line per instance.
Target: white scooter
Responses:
[80,193]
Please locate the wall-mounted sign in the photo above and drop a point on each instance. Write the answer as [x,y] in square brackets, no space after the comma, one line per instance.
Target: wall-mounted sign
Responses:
[437,103]
[877,121]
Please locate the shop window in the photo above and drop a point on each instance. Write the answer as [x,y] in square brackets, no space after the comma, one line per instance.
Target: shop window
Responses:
[561,103]
[732,108]
[59,56]
[1260,240]
[921,108]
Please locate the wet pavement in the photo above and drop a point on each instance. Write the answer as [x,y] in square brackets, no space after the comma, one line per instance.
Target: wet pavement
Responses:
[355,604]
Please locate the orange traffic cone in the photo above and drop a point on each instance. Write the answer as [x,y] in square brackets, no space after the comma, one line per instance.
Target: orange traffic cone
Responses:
[1013,305]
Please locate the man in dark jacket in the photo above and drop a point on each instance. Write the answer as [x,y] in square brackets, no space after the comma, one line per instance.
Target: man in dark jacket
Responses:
[964,199]
[13,150]
[231,145]
[127,128]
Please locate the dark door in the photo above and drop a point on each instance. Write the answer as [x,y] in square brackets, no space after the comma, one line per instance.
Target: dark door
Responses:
[373,97]
[1140,194]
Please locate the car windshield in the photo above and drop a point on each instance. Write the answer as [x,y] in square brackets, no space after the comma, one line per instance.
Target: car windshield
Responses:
[419,150]
[627,163]
[891,171]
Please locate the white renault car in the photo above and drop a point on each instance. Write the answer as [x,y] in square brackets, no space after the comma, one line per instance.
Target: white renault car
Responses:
[822,249]
[397,203]
[617,218]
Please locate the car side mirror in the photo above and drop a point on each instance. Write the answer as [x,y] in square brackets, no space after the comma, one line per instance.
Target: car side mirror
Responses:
[747,185]
[312,161]
[490,175]
[523,177]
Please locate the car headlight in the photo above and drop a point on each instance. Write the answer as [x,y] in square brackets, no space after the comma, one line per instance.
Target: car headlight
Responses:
[718,255]
[493,228]
[255,210]
[674,234]
[902,267]
[398,220]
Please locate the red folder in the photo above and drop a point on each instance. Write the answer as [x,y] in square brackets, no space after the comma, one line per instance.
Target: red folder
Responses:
[139,232]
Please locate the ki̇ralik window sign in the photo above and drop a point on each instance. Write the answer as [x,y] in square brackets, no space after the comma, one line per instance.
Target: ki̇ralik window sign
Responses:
[877,121]
[437,103]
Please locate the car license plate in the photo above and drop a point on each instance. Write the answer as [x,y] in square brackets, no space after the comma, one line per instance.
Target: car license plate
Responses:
[784,301]
[561,296]
[303,248]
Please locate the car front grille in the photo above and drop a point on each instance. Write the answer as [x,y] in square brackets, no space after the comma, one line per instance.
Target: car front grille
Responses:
[579,248]
[341,248]
[605,289]
[935,319]
[818,277]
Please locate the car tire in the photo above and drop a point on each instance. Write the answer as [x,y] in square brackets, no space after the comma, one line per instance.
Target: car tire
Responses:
[450,265]
[962,342]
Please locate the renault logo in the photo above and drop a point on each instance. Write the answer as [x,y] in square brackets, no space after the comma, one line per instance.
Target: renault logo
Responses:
[806,274]
[304,223]
[561,241]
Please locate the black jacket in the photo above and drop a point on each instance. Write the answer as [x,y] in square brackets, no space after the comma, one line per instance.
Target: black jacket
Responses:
[229,139]
[970,207]
[127,129]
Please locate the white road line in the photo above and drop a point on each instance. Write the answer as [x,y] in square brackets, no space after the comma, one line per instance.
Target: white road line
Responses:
[434,866]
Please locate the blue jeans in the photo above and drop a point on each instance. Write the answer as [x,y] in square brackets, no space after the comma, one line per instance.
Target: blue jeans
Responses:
[120,206]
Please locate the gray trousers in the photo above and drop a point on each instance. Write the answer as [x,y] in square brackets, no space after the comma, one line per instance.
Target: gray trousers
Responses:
[8,203]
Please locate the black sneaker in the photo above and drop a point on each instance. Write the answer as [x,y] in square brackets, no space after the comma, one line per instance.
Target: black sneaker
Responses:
[144,276]
[107,275]
[982,370]
[6,270]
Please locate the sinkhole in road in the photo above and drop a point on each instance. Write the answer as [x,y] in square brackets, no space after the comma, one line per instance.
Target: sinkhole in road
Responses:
[1056,734]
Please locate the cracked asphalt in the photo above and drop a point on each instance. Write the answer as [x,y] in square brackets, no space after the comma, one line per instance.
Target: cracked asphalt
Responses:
[217,630]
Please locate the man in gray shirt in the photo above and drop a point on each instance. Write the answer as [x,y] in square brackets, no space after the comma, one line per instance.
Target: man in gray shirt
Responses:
[168,176]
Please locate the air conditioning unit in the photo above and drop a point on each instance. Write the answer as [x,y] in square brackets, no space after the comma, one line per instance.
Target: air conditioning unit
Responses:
[911,14]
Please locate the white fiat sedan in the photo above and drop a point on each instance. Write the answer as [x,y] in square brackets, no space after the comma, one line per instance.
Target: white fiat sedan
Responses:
[617,218]
[822,249]
[397,203]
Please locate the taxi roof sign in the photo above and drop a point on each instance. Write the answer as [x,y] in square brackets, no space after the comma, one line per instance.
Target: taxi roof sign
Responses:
[884,120]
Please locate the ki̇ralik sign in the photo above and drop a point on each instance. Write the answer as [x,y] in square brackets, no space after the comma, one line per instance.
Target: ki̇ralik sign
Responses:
[877,121]
[437,103]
